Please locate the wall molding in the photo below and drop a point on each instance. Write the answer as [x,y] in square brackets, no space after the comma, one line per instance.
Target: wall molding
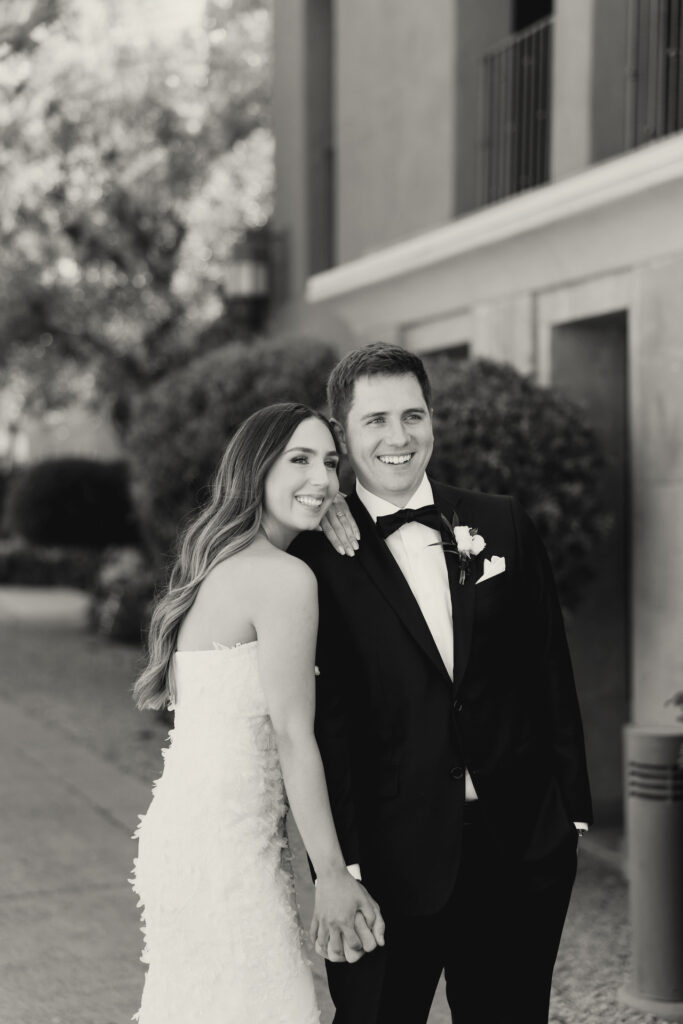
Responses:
[607,183]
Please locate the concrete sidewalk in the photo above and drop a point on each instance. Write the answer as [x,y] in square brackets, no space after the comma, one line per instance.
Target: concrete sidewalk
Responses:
[44,606]
[68,930]
[69,923]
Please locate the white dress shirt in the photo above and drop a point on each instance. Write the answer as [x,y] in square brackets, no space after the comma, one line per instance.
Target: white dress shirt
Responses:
[424,568]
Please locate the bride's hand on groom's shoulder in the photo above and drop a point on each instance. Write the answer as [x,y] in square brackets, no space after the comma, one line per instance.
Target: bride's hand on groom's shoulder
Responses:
[340,528]
[347,922]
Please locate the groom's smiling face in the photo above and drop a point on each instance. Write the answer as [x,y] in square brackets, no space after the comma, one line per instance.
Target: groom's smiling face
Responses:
[388,435]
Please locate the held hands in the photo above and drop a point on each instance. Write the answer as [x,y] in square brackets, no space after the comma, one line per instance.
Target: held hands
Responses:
[340,528]
[347,922]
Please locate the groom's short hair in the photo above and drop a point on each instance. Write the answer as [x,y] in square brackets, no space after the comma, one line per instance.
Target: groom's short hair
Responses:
[378,359]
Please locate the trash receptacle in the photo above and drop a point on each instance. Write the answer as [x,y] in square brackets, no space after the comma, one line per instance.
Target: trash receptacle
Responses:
[654,835]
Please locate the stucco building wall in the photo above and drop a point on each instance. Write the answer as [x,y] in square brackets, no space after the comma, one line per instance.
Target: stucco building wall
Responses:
[578,282]
[394,121]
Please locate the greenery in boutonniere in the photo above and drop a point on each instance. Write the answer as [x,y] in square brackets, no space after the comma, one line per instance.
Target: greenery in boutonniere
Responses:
[463,542]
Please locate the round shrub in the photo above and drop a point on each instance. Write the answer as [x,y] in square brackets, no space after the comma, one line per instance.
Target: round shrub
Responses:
[180,426]
[71,501]
[27,564]
[497,431]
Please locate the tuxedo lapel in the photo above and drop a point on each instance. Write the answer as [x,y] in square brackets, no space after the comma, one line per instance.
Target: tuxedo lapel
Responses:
[381,566]
[462,595]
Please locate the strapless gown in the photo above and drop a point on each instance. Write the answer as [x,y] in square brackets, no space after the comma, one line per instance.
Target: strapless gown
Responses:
[213,873]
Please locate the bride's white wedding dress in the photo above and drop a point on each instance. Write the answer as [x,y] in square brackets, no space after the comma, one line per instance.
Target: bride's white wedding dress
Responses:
[213,873]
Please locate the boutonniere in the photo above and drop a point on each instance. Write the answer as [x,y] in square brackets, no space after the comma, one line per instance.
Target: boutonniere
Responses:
[463,542]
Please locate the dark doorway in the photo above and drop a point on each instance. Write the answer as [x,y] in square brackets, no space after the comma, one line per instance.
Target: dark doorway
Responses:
[589,365]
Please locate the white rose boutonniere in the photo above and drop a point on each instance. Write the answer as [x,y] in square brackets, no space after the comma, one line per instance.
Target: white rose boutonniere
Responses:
[465,542]
[468,541]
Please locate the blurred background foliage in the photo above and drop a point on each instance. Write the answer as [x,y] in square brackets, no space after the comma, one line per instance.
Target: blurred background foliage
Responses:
[498,431]
[135,150]
[72,501]
[181,425]
[135,156]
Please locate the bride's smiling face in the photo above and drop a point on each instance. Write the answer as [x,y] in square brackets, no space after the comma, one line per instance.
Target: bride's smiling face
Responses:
[301,483]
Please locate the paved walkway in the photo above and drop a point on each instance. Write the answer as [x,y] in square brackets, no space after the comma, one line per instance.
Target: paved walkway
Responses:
[69,929]
[68,921]
[43,606]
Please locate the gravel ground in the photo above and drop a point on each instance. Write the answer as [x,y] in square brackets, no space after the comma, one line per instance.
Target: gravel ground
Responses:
[79,684]
[594,956]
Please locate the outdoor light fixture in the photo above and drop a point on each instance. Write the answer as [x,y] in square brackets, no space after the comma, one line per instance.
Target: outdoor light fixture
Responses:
[247,270]
[247,280]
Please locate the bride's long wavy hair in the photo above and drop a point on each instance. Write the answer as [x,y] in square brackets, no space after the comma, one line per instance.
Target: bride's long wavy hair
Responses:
[228,522]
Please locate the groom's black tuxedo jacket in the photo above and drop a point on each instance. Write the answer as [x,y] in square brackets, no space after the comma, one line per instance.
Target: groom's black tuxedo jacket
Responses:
[395,733]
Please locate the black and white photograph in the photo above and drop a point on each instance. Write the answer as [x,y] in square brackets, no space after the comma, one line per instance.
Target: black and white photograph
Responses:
[341,492]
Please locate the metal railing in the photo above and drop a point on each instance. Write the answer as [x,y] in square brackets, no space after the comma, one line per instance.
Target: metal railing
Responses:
[655,72]
[515,130]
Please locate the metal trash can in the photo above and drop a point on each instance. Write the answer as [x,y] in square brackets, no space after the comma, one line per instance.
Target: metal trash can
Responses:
[654,834]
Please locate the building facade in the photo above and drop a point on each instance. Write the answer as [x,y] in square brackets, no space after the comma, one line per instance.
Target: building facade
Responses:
[506,179]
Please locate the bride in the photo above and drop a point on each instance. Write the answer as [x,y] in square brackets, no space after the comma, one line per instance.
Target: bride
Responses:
[232,650]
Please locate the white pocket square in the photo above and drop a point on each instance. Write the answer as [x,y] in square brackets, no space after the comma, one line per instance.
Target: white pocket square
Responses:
[492,567]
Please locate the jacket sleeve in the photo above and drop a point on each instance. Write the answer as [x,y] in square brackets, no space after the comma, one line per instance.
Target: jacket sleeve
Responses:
[547,635]
[334,729]
[333,726]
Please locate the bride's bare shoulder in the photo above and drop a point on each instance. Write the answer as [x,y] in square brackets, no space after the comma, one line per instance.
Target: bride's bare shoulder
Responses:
[279,569]
[258,565]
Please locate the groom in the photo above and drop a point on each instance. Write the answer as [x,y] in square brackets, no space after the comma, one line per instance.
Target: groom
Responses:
[447,720]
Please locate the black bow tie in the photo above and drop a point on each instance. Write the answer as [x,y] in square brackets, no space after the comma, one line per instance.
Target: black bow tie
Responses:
[428,515]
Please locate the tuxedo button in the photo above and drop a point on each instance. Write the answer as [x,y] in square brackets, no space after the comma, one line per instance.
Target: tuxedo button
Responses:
[458,706]
[457,772]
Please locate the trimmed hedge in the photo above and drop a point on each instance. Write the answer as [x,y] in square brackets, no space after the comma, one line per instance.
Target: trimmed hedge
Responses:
[5,480]
[499,432]
[180,426]
[71,501]
[31,565]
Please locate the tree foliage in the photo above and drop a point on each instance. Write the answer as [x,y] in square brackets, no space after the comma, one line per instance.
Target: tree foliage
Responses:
[131,159]
[497,431]
[22,20]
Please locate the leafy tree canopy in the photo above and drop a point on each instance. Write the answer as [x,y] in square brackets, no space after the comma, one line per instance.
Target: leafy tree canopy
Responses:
[134,151]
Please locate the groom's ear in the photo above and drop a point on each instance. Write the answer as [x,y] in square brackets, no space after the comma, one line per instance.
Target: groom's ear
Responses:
[340,435]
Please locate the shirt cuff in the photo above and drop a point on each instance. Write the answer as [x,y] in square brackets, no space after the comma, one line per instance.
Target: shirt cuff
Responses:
[581,826]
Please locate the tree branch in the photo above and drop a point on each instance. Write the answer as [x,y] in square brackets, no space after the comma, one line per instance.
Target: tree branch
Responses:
[16,37]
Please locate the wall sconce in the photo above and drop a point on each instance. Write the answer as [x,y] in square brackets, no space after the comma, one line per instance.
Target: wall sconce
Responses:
[247,280]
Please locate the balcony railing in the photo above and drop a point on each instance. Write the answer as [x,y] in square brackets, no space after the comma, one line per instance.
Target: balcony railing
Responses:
[655,79]
[515,129]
